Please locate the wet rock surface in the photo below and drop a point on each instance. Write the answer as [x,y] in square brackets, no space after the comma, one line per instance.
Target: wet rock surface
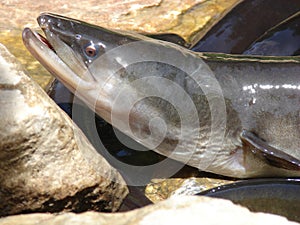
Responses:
[187,18]
[181,17]
[47,164]
[179,210]
[161,189]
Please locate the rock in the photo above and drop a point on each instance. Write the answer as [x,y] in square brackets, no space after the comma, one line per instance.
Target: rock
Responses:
[190,19]
[176,211]
[161,189]
[46,163]
[183,17]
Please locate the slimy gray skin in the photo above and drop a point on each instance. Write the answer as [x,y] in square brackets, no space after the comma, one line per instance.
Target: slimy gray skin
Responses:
[247,109]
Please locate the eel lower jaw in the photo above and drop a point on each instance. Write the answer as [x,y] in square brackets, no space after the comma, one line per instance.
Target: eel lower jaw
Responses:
[43,51]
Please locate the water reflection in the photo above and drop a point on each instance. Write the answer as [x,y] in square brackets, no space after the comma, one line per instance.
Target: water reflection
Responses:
[253,87]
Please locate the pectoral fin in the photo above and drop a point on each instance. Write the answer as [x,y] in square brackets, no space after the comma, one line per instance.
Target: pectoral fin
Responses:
[269,154]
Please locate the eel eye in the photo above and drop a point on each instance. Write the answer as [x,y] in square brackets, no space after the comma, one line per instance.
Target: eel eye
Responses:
[91,51]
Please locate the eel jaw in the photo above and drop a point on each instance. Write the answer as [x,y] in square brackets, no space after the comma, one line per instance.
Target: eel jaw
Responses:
[87,90]
[45,53]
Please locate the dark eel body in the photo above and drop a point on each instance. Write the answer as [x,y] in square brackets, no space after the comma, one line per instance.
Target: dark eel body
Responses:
[283,39]
[244,24]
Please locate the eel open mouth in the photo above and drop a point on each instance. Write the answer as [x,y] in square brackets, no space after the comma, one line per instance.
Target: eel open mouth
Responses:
[46,54]
[32,38]
[28,34]
[43,40]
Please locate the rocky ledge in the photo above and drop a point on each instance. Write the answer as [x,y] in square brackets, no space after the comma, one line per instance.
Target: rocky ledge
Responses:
[46,162]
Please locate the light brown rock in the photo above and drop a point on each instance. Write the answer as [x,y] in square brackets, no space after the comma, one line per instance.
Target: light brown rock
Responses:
[190,19]
[161,189]
[176,211]
[183,17]
[46,163]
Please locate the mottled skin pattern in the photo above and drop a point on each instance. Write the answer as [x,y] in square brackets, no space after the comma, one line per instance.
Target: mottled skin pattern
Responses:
[266,97]
[261,96]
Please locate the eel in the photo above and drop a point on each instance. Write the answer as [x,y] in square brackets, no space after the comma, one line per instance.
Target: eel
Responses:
[283,39]
[277,195]
[243,24]
[237,116]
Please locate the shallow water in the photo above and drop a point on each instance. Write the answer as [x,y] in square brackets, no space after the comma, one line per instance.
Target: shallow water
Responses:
[12,39]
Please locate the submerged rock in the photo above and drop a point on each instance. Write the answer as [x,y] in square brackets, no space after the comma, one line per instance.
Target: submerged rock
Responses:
[46,162]
[175,211]
[161,189]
